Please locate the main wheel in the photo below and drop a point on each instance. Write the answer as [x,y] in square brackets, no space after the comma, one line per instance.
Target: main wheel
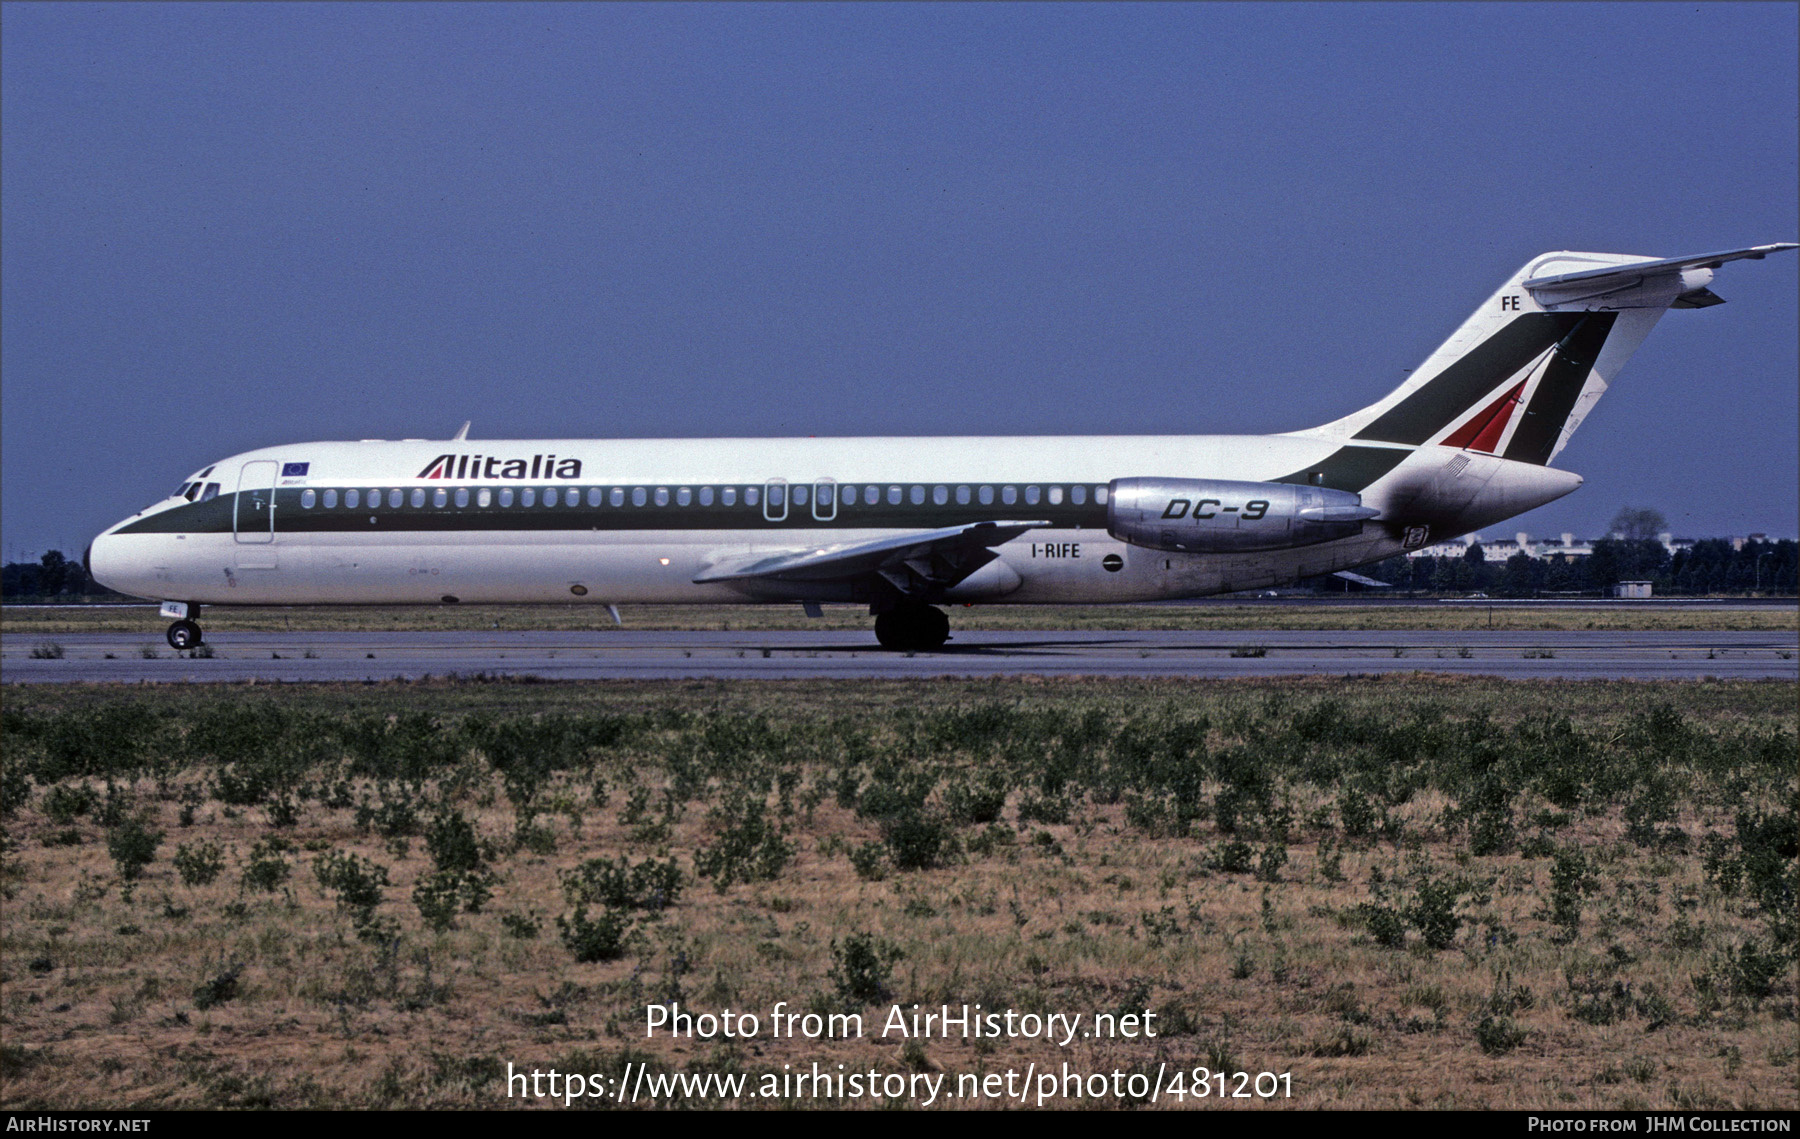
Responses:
[184,635]
[912,628]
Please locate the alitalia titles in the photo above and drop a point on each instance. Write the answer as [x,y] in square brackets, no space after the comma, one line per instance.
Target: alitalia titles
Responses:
[496,467]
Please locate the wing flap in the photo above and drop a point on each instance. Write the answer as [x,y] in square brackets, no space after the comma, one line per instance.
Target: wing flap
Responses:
[937,557]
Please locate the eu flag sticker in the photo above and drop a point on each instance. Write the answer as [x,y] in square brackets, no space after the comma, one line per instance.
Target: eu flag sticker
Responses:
[294,470]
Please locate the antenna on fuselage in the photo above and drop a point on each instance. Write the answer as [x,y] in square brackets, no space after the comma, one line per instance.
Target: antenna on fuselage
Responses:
[463,434]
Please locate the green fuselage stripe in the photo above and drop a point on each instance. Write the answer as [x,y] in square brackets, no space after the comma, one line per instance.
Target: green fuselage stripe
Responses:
[216,515]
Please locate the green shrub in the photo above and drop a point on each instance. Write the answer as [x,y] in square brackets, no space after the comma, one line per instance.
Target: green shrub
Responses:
[1569,881]
[438,896]
[915,839]
[650,885]
[869,861]
[266,870]
[356,881]
[600,940]
[65,802]
[200,864]
[860,969]
[748,849]
[1234,857]
[221,987]
[132,846]
[1433,912]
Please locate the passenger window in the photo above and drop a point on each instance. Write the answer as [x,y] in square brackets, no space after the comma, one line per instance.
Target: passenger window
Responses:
[987,495]
[871,495]
[962,496]
[571,497]
[1031,495]
[483,497]
[684,497]
[639,496]
[706,496]
[728,496]
[331,499]
[800,495]
[352,499]
[395,498]
[1078,495]
[1099,496]
[418,497]
[307,499]
[662,496]
[1009,494]
[506,496]
[462,497]
[1056,496]
[893,496]
[752,496]
[940,495]
[847,495]
[593,496]
[917,494]
[776,494]
[528,496]
[440,498]
[616,496]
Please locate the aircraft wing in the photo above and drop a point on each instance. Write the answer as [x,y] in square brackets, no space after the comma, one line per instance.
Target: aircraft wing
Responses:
[910,562]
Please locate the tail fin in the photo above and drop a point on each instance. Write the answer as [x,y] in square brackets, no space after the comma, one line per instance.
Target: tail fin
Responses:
[1521,374]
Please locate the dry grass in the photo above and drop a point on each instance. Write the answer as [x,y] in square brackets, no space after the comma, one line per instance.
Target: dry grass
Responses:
[109,983]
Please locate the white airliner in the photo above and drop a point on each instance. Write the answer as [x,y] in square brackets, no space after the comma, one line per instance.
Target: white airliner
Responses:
[905,524]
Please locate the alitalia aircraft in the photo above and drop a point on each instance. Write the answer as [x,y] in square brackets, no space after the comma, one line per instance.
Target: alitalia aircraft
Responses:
[904,524]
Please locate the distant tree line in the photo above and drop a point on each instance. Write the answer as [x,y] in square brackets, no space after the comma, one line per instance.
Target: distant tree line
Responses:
[53,577]
[1711,566]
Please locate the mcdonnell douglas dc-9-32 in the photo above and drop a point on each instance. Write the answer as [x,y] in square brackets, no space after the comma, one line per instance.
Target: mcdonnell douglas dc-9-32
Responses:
[904,525]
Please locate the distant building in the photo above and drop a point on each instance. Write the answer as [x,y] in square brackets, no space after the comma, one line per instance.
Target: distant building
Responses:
[1632,589]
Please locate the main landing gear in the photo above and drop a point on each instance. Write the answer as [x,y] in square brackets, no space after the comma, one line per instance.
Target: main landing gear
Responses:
[912,628]
[184,634]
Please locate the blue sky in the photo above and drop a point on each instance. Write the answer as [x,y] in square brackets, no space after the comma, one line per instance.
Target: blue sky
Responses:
[227,226]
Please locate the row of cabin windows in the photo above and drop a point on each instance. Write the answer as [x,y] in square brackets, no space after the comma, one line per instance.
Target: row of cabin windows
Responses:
[828,494]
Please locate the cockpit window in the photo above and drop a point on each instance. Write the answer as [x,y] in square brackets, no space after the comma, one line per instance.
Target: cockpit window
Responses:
[204,473]
[211,491]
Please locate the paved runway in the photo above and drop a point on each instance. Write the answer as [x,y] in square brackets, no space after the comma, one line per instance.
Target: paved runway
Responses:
[627,654]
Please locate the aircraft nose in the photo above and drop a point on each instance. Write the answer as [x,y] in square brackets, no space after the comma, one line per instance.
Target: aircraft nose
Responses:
[104,561]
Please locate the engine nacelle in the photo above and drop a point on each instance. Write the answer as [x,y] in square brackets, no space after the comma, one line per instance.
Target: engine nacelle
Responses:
[1218,516]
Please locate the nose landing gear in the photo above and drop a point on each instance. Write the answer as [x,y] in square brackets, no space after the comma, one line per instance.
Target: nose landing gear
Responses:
[184,634]
[912,628]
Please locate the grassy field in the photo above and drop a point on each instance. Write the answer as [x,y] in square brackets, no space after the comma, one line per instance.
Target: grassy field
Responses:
[1401,891]
[1221,615]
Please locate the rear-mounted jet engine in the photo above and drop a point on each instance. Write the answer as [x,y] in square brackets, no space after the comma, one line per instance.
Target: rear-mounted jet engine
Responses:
[1215,516]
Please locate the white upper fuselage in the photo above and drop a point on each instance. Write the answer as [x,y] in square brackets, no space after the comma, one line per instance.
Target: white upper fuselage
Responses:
[648,516]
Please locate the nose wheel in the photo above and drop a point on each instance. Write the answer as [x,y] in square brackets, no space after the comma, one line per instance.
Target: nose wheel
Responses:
[912,628]
[184,634]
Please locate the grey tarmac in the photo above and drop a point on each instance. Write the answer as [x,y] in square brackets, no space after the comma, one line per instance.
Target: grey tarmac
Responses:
[627,654]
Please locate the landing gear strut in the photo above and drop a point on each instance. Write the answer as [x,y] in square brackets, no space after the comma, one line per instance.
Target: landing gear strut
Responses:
[912,628]
[184,634]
